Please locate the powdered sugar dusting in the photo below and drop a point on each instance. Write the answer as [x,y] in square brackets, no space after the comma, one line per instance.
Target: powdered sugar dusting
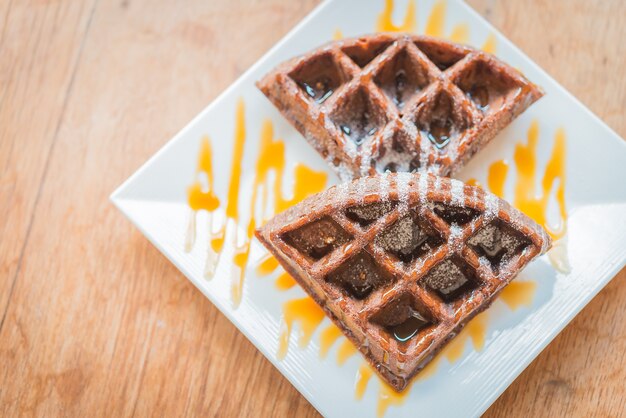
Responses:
[367,213]
[342,190]
[492,205]
[453,150]
[384,186]
[473,227]
[517,219]
[454,239]
[484,263]
[345,173]
[437,184]
[457,189]
[399,237]
[422,187]
[366,159]
[360,189]
[424,153]
[403,187]
[401,161]
[392,159]
[446,277]
[433,168]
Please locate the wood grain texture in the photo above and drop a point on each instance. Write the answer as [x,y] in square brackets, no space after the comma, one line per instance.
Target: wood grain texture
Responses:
[95,321]
[40,48]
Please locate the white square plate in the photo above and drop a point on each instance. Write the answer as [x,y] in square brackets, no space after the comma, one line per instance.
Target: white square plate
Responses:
[478,371]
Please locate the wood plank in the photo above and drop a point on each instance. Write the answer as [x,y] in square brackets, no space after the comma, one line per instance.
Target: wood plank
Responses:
[98,320]
[39,49]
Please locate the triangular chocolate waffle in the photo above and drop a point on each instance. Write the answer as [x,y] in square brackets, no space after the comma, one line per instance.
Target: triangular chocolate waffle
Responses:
[398,102]
[401,262]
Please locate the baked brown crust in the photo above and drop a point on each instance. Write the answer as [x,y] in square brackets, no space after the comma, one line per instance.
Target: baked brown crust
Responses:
[345,245]
[398,102]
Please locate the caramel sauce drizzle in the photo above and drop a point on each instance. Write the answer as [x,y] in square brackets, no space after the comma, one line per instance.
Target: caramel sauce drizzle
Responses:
[496,177]
[306,182]
[387,396]
[517,294]
[435,24]
[475,331]
[199,197]
[267,265]
[328,337]
[490,44]
[436,20]
[306,313]
[271,158]
[337,35]
[345,351]
[474,182]
[460,33]
[558,256]
[285,281]
[242,251]
[385,19]
[363,376]
[309,316]
[232,205]
[526,198]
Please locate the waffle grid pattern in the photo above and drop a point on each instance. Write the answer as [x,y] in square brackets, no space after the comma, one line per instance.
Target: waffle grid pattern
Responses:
[398,102]
[398,361]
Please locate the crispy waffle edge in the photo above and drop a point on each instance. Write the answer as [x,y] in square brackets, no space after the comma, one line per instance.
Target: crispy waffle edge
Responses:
[335,199]
[292,103]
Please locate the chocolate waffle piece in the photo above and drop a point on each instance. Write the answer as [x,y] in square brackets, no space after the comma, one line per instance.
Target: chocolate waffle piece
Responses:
[398,102]
[402,261]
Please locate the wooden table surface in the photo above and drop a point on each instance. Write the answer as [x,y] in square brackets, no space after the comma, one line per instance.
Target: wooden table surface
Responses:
[94,320]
